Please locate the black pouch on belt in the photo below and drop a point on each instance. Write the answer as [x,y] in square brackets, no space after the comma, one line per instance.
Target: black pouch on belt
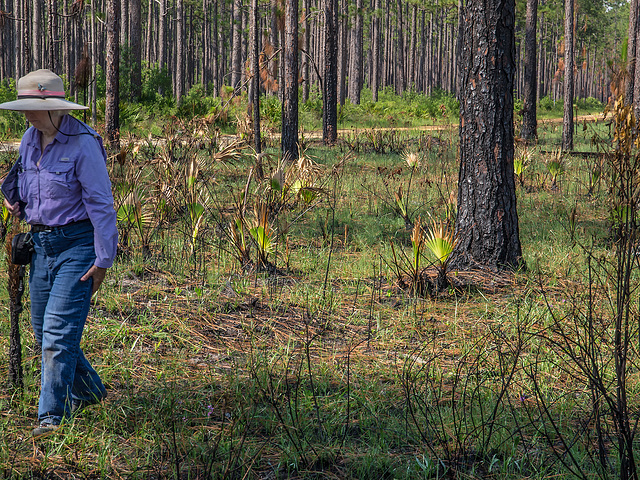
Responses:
[21,248]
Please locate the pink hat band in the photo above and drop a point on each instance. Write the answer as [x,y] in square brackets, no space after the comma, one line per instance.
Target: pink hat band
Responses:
[39,94]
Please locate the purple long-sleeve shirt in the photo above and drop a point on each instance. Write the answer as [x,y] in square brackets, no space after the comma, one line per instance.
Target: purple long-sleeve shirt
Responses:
[68,183]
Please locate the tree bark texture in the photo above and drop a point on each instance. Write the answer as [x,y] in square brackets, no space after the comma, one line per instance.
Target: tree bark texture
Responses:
[290,103]
[487,221]
[632,50]
[112,109]
[179,83]
[529,113]
[567,117]
[136,49]
[357,62]
[330,97]
[255,70]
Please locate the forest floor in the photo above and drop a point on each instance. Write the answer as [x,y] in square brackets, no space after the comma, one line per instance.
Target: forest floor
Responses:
[322,361]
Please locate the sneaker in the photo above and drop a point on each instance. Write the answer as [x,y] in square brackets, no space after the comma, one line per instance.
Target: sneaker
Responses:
[44,429]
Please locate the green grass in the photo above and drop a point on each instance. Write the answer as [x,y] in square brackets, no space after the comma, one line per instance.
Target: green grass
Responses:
[318,365]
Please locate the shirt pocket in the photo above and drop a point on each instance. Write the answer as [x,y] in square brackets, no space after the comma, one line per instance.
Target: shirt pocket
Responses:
[57,180]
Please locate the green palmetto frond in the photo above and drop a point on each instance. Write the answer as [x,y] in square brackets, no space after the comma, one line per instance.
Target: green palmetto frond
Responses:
[261,232]
[441,241]
[417,241]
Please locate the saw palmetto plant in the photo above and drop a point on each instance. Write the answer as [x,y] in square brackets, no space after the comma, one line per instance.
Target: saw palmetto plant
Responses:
[441,240]
[262,233]
[521,161]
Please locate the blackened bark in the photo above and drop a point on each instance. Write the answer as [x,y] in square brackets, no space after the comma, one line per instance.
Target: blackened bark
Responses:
[290,103]
[487,221]
[136,49]
[529,114]
[15,288]
[632,50]
[567,117]
[53,30]
[330,97]
[636,83]
[112,109]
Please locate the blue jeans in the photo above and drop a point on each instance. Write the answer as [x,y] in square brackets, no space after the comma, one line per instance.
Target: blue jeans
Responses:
[59,308]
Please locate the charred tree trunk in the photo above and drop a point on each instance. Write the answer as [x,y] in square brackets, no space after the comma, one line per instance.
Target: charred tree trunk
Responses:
[632,50]
[15,288]
[136,49]
[290,103]
[529,114]
[330,96]
[487,221]
[53,30]
[112,108]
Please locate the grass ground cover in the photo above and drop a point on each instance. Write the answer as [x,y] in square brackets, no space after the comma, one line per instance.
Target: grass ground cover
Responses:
[241,345]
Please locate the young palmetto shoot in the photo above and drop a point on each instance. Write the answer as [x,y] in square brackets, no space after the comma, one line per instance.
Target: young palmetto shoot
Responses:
[556,168]
[262,233]
[441,240]
[521,161]
[418,243]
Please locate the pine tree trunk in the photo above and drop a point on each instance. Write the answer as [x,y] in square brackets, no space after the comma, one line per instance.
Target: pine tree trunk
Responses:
[567,117]
[400,80]
[632,50]
[529,114]
[357,63]
[487,221]
[343,50]
[307,49]
[180,44]
[290,104]
[162,37]
[52,31]
[215,58]
[124,23]
[112,110]
[94,63]
[375,51]
[330,96]
[255,72]
[136,49]
[36,33]
[541,57]
[236,53]
[636,83]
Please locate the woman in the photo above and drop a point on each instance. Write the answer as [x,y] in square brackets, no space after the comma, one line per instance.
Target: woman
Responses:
[65,195]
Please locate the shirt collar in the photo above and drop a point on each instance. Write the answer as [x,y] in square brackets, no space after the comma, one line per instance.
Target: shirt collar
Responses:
[66,126]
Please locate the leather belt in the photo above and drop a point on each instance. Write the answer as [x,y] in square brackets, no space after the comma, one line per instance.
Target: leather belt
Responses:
[38,227]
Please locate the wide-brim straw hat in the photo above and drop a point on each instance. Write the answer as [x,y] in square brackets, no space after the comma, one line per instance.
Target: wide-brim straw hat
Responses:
[41,90]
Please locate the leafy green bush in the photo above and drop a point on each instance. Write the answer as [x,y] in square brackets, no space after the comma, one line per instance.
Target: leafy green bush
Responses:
[11,123]
[547,104]
[271,110]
